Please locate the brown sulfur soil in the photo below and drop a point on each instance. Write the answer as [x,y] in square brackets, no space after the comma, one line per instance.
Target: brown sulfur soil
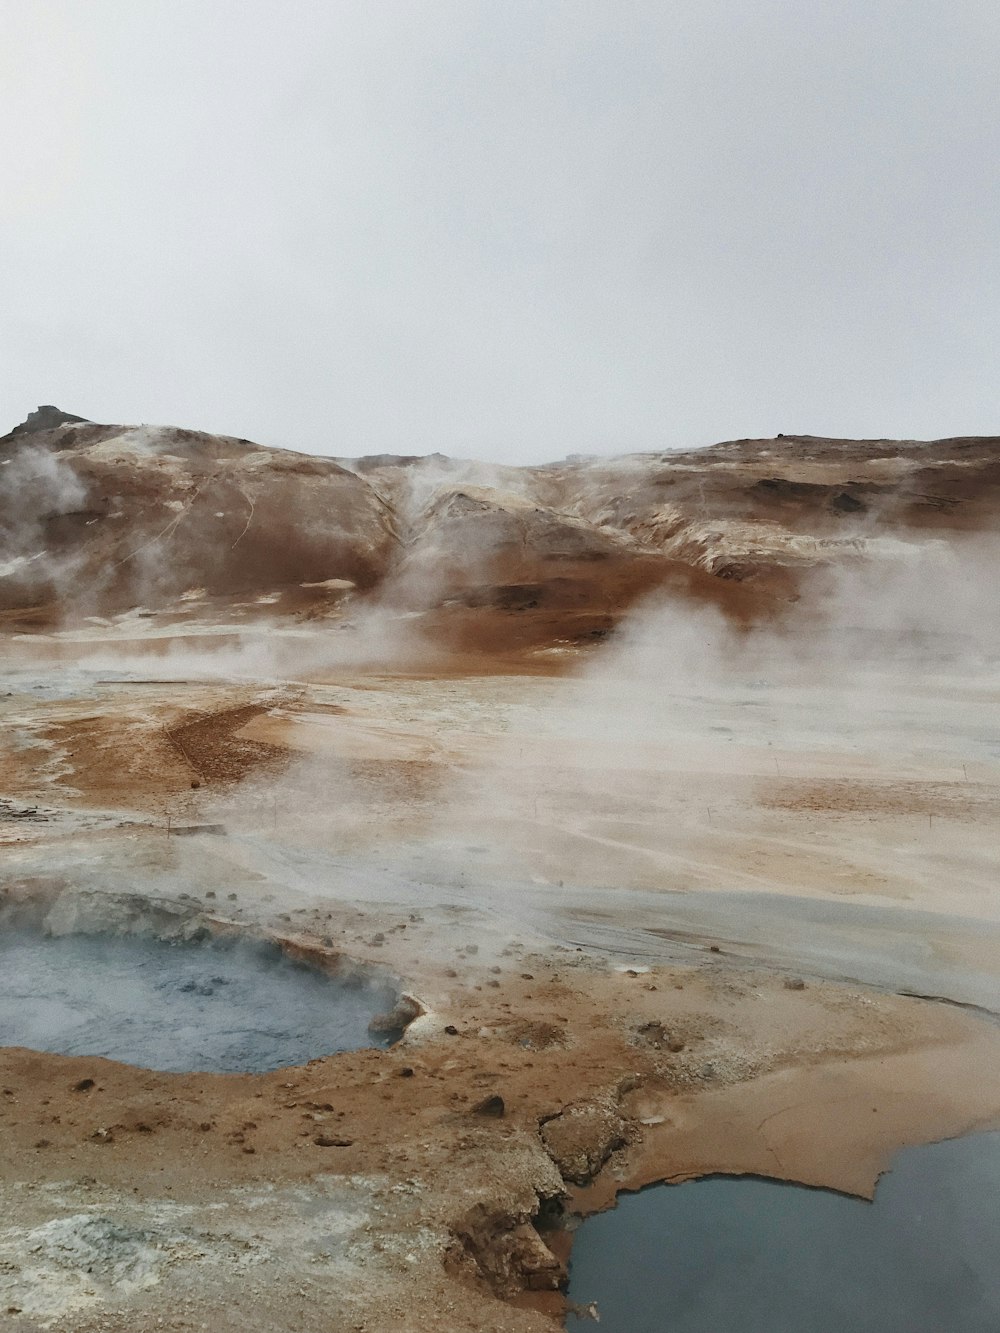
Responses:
[394,710]
[819,1084]
[537,1067]
[215,752]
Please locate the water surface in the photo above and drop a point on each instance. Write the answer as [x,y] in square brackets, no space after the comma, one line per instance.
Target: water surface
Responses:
[212,1007]
[744,1255]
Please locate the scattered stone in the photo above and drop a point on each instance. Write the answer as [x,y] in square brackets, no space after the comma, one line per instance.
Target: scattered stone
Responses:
[491,1106]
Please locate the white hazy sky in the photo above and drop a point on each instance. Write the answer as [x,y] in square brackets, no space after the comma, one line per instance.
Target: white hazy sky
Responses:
[502,228]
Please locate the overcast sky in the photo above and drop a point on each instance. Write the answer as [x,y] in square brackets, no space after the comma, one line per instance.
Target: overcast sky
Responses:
[502,228]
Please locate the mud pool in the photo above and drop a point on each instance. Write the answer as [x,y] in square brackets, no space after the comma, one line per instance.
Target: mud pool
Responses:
[209,1007]
[760,1256]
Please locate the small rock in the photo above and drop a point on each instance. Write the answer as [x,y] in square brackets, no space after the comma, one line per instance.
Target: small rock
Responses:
[330,1141]
[794,983]
[84,1085]
[492,1106]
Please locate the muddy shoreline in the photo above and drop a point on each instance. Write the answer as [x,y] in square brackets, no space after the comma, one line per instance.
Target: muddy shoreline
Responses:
[526,1083]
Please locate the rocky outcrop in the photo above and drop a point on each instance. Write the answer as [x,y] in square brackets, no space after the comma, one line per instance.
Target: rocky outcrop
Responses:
[580,1139]
[44,418]
[507,1251]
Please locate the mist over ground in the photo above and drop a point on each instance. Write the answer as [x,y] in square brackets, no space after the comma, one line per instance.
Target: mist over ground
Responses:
[411,562]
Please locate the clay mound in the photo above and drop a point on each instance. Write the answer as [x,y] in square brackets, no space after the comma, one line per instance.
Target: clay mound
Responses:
[105,518]
[99,519]
[486,547]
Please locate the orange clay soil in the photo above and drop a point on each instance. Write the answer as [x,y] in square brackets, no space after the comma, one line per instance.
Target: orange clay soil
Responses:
[425,1166]
[411,1188]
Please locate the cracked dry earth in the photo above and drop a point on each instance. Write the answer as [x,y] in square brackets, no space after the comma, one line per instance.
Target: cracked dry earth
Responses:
[418,1187]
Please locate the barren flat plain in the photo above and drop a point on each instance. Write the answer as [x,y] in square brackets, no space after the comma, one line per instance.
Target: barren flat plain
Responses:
[661,792]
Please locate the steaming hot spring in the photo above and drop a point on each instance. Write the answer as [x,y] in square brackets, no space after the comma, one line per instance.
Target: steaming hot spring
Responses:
[196,996]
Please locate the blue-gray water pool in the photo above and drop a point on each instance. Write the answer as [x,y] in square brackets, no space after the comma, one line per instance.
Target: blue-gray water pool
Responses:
[745,1255]
[209,1007]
